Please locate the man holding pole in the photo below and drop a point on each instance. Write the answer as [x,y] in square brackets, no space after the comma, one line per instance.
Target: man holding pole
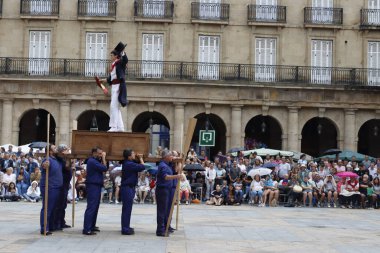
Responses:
[163,190]
[96,165]
[55,182]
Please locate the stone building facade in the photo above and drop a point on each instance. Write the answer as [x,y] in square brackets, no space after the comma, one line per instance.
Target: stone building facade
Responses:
[296,75]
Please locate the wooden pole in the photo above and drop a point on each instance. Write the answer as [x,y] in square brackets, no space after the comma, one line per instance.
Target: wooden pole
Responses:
[189,136]
[47,174]
[73,201]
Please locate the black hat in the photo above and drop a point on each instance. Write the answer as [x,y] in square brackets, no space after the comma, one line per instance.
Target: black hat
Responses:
[120,47]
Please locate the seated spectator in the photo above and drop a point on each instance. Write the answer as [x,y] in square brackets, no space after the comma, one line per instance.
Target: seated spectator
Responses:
[32,165]
[80,185]
[216,197]
[108,188]
[307,191]
[10,193]
[318,192]
[230,197]
[33,193]
[238,185]
[143,187]
[247,180]
[9,177]
[363,189]
[184,189]
[117,188]
[22,182]
[6,162]
[152,186]
[295,192]
[271,191]
[71,195]
[330,190]
[257,187]
[36,175]
[352,186]
[376,193]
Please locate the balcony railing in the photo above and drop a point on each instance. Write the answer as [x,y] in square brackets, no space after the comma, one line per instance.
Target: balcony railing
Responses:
[154,9]
[267,13]
[210,11]
[370,17]
[39,7]
[193,71]
[324,16]
[97,8]
[1,7]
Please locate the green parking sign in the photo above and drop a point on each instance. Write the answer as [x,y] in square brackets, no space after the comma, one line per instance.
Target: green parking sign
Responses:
[207,138]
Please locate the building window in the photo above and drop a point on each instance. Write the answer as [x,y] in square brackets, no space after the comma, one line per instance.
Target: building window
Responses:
[374,12]
[208,57]
[154,8]
[209,9]
[39,52]
[152,55]
[265,59]
[373,63]
[266,10]
[322,11]
[96,54]
[321,61]
[97,8]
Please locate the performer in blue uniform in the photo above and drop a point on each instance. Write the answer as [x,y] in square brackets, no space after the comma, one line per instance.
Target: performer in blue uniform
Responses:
[164,186]
[96,165]
[172,192]
[60,213]
[129,177]
[54,185]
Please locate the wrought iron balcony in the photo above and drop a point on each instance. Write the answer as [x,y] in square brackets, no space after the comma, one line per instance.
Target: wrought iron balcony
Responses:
[97,8]
[324,16]
[194,71]
[266,13]
[1,7]
[150,9]
[370,18]
[210,11]
[39,7]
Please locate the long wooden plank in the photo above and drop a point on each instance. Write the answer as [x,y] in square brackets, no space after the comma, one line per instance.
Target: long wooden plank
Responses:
[47,175]
[186,147]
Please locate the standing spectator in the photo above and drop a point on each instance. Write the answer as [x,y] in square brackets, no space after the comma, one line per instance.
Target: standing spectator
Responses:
[376,193]
[220,174]
[19,152]
[362,171]
[192,154]
[366,162]
[234,173]
[117,188]
[143,187]
[33,193]
[6,162]
[36,175]
[210,175]
[372,170]
[32,165]
[241,165]
[330,190]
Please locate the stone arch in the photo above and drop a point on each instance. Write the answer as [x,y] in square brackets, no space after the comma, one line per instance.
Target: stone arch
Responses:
[263,131]
[86,118]
[214,123]
[369,138]
[318,135]
[33,126]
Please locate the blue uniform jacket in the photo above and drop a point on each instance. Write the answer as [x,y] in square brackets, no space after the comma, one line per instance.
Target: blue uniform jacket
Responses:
[130,172]
[164,170]
[55,174]
[66,173]
[95,171]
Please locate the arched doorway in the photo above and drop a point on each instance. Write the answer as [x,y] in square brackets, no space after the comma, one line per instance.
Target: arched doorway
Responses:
[263,132]
[92,119]
[318,135]
[210,122]
[33,127]
[369,138]
[157,125]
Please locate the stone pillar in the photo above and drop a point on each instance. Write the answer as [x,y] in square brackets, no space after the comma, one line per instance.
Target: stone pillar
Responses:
[178,129]
[293,129]
[236,137]
[64,122]
[6,124]
[349,130]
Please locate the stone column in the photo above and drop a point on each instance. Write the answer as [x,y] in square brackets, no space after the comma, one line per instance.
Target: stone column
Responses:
[64,122]
[293,129]
[235,139]
[178,129]
[6,124]
[349,130]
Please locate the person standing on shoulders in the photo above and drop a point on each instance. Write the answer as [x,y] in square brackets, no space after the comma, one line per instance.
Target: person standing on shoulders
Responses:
[163,190]
[96,165]
[129,178]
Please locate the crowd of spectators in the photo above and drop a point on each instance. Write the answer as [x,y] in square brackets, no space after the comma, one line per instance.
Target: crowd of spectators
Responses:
[225,180]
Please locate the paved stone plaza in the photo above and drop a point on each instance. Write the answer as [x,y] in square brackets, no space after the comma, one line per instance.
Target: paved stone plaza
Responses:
[201,229]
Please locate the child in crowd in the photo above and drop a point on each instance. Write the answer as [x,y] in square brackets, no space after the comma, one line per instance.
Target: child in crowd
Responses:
[216,197]
[33,193]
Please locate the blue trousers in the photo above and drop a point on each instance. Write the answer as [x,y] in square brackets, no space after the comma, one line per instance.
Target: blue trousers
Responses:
[53,195]
[172,192]
[93,202]
[127,194]
[60,213]
[162,198]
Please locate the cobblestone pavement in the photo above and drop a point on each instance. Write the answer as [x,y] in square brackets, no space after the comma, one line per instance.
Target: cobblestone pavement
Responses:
[201,229]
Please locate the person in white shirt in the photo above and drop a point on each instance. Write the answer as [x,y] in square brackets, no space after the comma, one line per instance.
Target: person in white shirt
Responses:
[210,175]
[143,187]
[373,170]
[33,194]
[242,166]
[283,168]
[9,177]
